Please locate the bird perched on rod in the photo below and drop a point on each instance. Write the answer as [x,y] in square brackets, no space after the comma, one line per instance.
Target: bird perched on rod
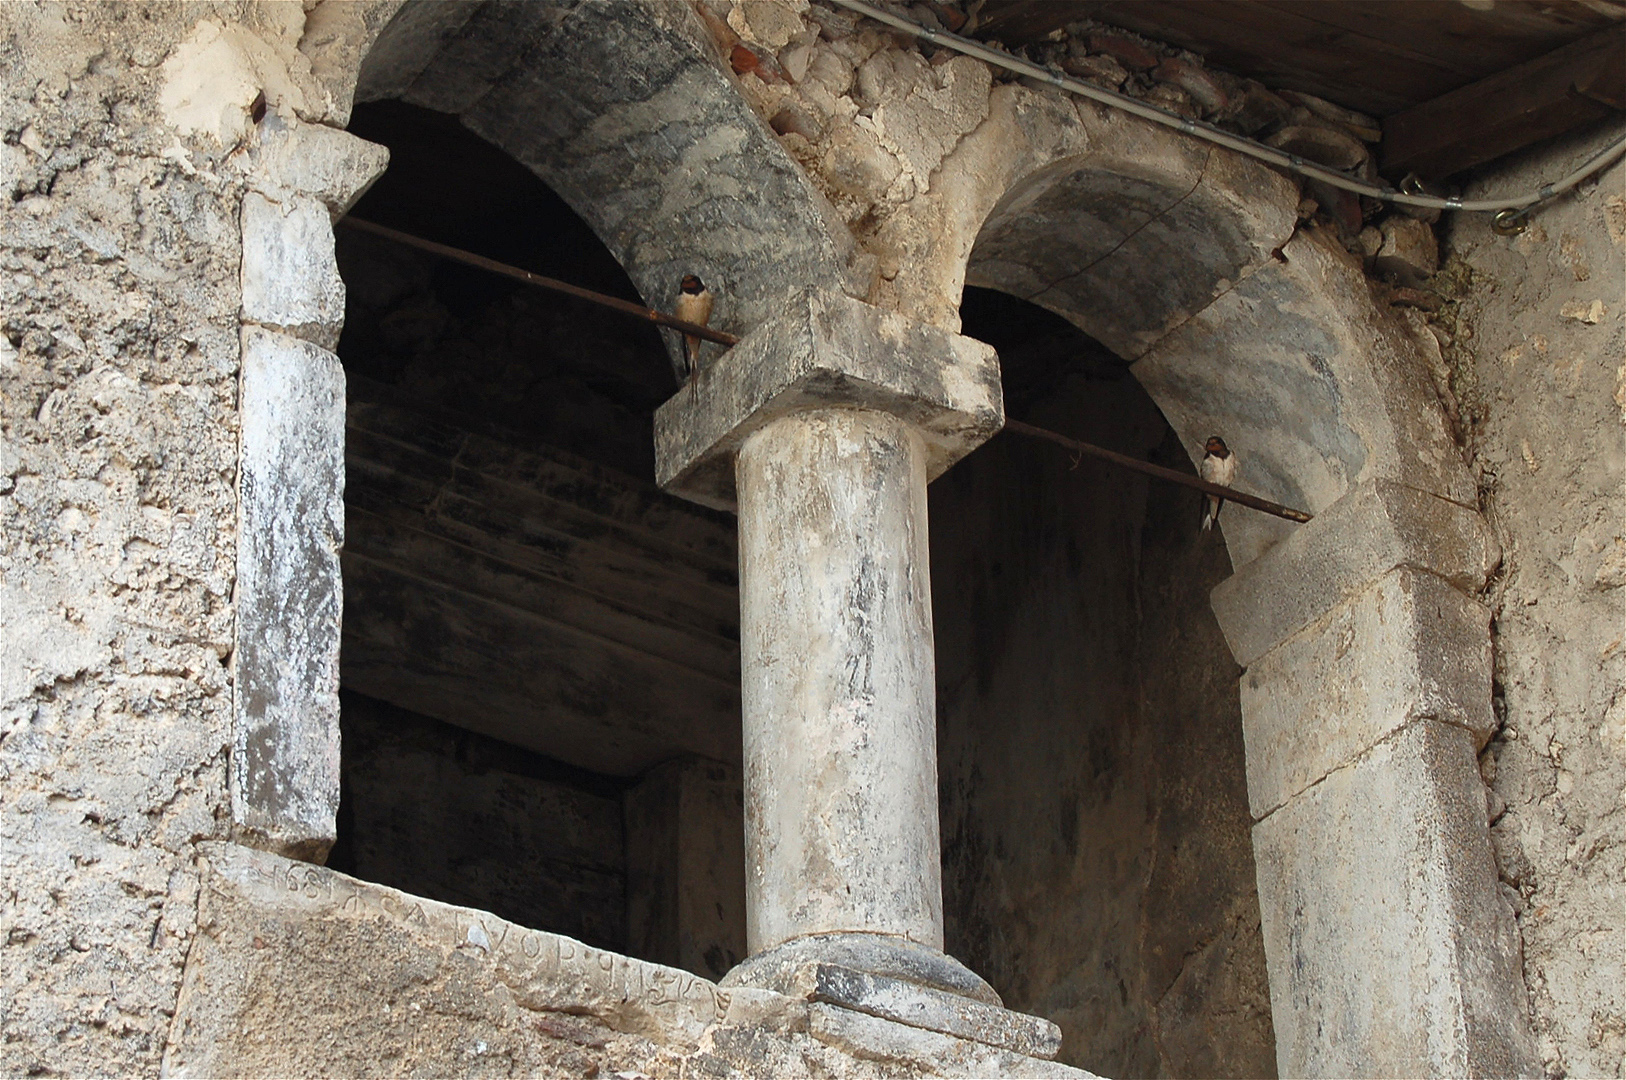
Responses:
[693,305]
[1218,466]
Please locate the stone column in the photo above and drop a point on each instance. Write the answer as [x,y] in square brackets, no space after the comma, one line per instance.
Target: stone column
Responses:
[1366,698]
[822,429]
[838,687]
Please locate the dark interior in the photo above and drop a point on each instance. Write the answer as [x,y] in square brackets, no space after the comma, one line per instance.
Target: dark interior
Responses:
[540,664]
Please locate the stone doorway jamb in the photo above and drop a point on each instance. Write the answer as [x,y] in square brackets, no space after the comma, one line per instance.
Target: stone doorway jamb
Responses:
[1366,699]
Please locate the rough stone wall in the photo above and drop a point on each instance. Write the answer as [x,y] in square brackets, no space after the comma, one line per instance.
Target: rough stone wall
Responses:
[1535,341]
[118,363]
[123,170]
[1097,863]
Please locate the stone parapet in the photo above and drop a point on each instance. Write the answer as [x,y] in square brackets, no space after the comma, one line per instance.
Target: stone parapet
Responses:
[301,971]
[1378,526]
[1411,647]
[828,351]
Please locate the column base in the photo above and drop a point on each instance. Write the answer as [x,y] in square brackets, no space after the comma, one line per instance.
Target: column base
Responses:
[899,980]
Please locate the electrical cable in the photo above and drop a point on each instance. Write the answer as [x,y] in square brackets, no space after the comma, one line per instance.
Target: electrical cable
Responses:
[1512,209]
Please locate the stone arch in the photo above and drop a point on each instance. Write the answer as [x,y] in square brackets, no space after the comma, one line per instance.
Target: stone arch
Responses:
[1368,691]
[1186,260]
[1367,660]
[626,111]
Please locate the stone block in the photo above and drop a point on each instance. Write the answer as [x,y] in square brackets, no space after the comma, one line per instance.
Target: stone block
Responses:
[285,744]
[290,277]
[828,350]
[1409,254]
[332,166]
[1409,648]
[873,1038]
[296,970]
[301,971]
[922,1007]
[1390,950]
[1378,526]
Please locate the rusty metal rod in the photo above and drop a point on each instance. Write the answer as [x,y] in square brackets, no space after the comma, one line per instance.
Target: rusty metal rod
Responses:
[1239,497]
[706,333]
[625,307]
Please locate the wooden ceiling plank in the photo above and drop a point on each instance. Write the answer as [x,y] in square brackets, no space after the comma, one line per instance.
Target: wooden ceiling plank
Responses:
[1431,36]
[1283,49]
[1475,42]
[1573,85]
[1018,22]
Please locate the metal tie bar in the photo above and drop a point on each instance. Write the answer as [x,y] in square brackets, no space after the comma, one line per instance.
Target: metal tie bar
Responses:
[625,307]
[1127,462]
[705,332]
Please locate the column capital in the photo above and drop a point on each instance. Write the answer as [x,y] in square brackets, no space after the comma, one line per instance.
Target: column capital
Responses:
[828,350]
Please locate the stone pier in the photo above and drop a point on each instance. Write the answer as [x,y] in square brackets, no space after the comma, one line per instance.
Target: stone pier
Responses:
[822,429]
[1366,698]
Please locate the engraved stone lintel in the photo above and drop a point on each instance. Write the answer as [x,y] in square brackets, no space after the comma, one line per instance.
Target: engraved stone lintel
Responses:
[828,351]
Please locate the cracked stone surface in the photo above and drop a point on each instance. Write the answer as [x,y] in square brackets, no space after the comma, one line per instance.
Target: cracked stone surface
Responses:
[129,145]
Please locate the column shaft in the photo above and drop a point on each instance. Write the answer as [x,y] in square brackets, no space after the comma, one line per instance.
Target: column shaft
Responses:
[838,682]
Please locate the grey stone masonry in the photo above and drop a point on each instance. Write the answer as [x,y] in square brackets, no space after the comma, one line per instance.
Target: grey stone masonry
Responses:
[824,426]
[285,746]
[1376,527]
[1390,950]
[285,740]
[1410,647]
[1366,698]
[828,349]
[302,176]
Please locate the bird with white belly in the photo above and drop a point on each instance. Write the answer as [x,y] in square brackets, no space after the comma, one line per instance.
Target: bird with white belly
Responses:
[1218,466]
[694,302]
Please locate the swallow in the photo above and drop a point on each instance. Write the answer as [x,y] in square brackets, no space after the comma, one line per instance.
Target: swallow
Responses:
[1218,466]
[693,305]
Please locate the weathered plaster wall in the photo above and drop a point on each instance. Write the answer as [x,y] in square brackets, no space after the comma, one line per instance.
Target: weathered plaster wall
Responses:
[129,138]
[1535,337]
[1097,863]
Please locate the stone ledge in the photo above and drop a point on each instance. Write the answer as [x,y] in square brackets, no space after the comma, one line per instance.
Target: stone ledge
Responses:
[1410,647]
[1378,526]
[828,351]
[300,971]
[928,1009]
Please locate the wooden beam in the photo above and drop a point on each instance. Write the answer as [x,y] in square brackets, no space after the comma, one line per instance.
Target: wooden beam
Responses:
[1574,85]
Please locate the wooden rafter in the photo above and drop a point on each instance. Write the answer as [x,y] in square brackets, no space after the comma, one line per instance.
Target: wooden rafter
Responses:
[1576,84]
